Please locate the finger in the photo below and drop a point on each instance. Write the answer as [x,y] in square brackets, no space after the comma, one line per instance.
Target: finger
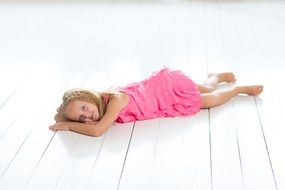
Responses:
[53,128]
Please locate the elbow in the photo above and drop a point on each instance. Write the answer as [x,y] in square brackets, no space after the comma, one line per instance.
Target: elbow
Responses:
[98,130]
[97,133]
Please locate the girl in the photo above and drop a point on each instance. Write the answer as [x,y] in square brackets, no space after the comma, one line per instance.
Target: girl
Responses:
[165,93]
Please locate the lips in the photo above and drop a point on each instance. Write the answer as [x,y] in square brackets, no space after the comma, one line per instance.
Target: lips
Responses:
[92,116]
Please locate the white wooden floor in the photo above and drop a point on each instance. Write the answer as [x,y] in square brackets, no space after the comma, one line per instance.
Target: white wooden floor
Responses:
[49,46]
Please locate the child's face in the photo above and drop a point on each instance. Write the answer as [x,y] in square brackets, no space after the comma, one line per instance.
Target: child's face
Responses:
[82,111]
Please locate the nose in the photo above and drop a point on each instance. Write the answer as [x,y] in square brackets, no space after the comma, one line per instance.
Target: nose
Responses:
[88,116]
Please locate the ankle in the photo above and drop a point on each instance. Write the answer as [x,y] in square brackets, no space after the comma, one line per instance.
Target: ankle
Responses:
[240,89]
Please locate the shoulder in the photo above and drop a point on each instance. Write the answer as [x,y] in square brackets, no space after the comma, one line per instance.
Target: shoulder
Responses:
[121,99]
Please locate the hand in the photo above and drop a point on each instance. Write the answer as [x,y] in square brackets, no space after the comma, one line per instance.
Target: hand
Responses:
[60,126]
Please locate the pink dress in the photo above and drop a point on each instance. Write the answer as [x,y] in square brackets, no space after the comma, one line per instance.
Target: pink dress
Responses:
[165,93]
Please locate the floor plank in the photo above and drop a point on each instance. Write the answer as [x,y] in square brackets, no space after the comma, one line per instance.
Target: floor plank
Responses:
[50,46]
[11,82]
[249,130]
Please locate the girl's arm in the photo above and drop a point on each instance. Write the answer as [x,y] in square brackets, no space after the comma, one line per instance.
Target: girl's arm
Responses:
[114,107]
[116,104]
[82,128]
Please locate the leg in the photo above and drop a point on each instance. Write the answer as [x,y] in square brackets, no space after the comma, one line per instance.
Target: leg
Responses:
[215,78]
[213,81]
[204,88]
[219,97]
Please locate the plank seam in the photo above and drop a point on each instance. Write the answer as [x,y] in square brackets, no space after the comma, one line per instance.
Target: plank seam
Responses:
[15,90]
[126,156]
[30,177]
[210,147]
[94,165]
[5,170]
[265,142]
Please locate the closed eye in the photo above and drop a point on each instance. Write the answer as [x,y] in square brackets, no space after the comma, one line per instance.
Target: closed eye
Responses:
[81,119]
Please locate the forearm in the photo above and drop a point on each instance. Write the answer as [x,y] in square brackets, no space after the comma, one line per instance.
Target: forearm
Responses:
[86,129]
[82,128]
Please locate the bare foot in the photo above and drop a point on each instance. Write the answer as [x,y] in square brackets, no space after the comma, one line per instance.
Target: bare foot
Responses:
[254,90]
[223,77]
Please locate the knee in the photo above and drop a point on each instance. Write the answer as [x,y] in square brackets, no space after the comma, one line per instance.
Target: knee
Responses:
[209,89]
[209,100]
[205,89]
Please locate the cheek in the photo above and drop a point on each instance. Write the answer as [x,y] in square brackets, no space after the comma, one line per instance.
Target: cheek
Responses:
[96,109]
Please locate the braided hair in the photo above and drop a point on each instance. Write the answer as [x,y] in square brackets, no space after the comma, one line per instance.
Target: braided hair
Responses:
[82,95]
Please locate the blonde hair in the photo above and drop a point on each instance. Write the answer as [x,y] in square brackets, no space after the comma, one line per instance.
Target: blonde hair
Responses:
[83,95]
